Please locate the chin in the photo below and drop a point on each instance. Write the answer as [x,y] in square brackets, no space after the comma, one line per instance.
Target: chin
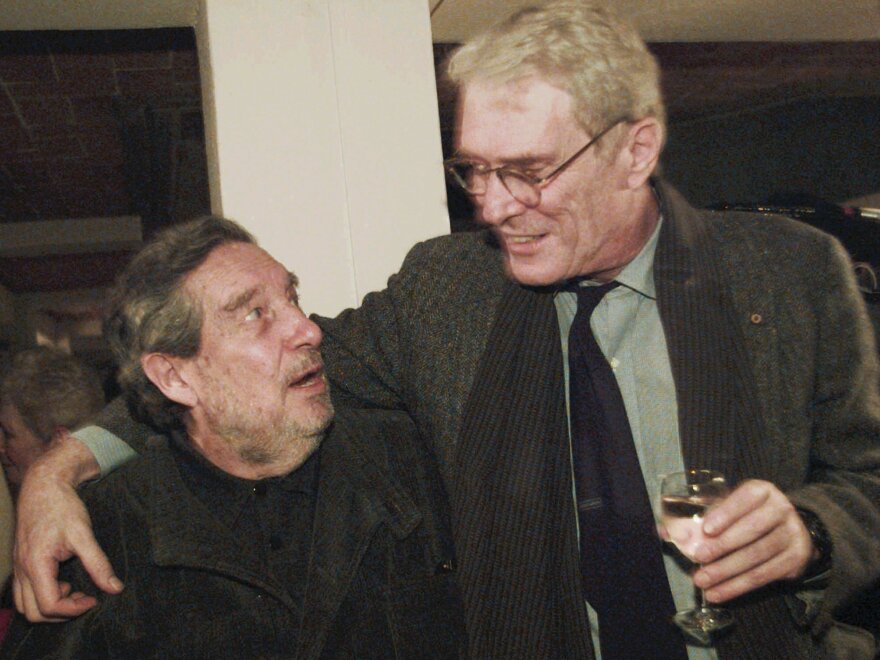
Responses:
[320,414]
[531,275]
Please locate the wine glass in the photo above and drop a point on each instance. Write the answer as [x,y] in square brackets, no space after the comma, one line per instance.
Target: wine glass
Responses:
[684,499]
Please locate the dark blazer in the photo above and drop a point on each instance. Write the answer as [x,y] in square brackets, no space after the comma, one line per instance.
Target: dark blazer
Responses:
[380,581]
[776,378]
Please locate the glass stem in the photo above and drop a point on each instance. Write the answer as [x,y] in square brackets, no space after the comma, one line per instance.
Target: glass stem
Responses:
[703,603]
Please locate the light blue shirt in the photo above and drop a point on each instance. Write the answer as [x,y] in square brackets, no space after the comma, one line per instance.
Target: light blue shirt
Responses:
[627,327]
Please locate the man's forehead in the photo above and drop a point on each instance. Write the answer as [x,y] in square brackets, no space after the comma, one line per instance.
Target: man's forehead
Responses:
[517,116]
[235,270]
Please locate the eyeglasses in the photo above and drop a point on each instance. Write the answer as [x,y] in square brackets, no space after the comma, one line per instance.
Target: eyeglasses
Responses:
[524,188]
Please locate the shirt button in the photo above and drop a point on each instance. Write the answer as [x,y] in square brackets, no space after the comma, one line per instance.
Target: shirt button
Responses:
[445,566]
[260,489]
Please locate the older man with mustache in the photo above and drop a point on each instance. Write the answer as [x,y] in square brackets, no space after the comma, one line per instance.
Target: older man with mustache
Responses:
[255,524]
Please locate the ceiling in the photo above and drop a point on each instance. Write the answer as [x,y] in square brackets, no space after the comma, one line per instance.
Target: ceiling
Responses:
[107,124]
[454,20]
[693,20]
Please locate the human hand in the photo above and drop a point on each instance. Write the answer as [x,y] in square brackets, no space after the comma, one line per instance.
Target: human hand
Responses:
[755,536]
[53,526]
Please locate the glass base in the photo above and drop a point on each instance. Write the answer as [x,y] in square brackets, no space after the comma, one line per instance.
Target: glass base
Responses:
[701,622]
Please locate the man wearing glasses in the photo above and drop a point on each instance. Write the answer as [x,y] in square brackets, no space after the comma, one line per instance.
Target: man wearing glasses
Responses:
[718,349]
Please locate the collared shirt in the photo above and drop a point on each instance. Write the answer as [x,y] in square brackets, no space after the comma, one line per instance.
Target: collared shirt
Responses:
[627,327]
[274,515]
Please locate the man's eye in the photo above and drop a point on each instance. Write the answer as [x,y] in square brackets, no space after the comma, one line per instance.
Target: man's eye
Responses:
[527,176]
[255,314]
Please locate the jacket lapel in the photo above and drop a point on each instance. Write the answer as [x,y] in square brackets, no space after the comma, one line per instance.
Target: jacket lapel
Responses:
[720,421]
[355,496]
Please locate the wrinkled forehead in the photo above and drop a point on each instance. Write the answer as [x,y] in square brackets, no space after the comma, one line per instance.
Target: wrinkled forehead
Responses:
[505,119]
[232,274]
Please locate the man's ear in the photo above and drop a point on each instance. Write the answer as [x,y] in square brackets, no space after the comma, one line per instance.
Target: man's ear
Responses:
[165,373]
[643,146]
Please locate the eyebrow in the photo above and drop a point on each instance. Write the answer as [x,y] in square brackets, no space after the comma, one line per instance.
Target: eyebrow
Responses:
[526,160]
[240,300]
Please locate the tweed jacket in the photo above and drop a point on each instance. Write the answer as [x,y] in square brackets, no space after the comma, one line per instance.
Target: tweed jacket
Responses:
[776,378]
[379,581]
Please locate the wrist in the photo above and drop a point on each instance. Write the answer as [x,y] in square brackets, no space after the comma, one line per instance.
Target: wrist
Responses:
[69,461]
[820,560]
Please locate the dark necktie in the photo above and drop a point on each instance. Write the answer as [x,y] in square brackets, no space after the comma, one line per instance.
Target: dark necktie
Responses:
[621,557]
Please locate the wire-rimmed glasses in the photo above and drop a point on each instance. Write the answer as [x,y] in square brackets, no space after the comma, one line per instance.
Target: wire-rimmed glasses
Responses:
[473,177]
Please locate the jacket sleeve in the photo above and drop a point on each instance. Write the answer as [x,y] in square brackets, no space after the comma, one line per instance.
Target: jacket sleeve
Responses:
[414,345]
[115,436]
[362,347]
[843,484]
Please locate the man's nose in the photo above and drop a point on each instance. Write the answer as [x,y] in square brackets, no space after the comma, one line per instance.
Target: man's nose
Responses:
[302,331]
[497,204]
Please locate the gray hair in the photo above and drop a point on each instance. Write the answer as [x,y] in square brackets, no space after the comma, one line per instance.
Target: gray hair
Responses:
[51,389]
[150,311]
[579,46]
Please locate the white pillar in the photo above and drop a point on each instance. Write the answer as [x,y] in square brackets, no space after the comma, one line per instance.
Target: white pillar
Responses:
[323,136]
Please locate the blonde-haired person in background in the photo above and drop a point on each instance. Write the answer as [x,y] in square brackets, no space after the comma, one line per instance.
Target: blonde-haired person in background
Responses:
[44,393]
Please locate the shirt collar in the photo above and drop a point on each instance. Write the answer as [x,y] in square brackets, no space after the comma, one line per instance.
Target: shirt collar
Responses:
[203,477]
[638,274]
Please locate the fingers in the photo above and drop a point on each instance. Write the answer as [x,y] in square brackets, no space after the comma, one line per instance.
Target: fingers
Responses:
[39,595]
[53,526]
[749,497]
[754,537]
[47,600]
[96,564]
[750,512]
[26,602]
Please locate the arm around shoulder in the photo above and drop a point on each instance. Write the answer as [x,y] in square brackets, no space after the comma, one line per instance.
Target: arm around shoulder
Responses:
[53,526]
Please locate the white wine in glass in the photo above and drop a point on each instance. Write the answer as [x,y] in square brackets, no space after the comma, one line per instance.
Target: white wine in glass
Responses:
[684,499]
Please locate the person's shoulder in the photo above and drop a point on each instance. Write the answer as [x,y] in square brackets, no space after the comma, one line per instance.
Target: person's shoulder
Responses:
[371,430]
[468,251]
[386,440]
[736,227]
[770,251]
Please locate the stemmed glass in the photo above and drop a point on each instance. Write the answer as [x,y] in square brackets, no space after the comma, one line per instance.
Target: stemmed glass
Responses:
[684,499]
